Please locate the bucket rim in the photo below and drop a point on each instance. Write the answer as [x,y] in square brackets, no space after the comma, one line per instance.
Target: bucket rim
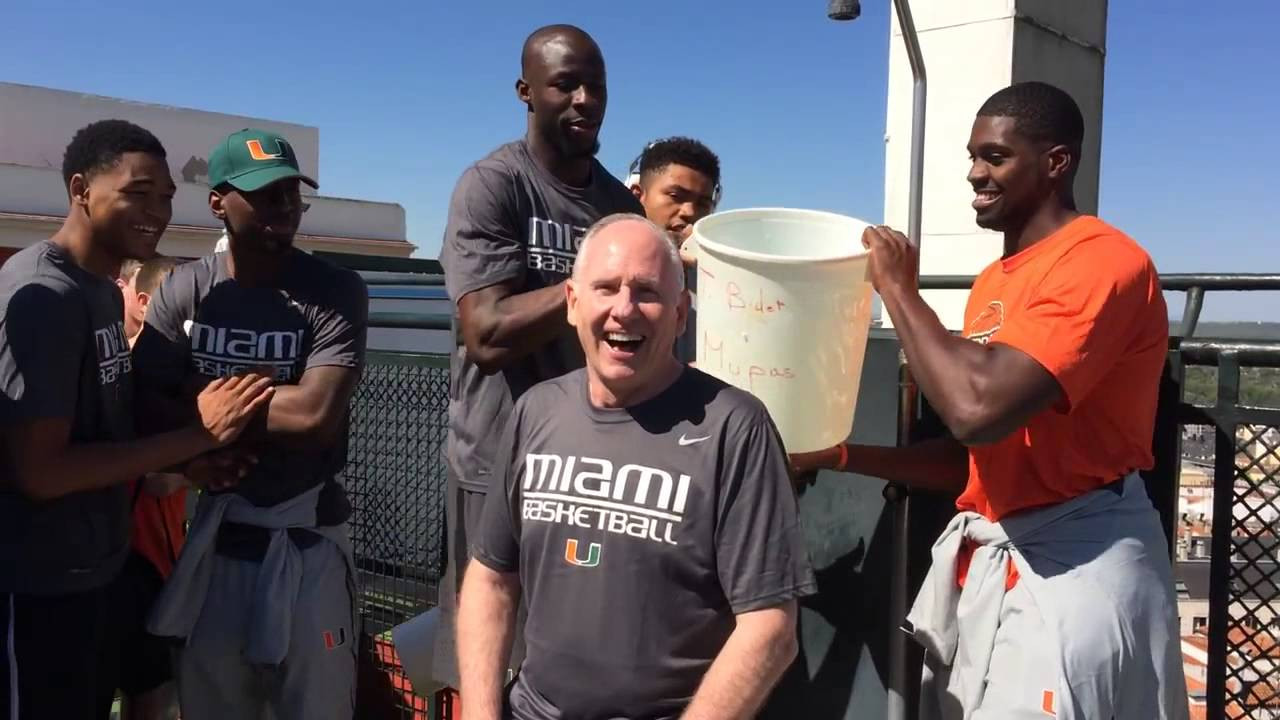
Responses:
[722,249]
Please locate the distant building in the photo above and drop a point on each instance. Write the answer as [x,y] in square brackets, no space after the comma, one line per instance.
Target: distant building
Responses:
[37,123]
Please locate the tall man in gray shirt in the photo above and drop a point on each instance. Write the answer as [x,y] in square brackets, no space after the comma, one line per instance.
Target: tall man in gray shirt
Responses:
[66,420]
[515,221]
[643,511]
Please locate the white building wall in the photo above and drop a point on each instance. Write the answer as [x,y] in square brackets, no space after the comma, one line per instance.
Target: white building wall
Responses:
[972,49]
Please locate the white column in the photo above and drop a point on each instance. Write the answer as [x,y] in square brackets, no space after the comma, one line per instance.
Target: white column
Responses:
[972,48]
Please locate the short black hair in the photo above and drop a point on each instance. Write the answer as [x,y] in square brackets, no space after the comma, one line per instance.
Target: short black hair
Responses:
[1041,113]
[99,145]
[680,151]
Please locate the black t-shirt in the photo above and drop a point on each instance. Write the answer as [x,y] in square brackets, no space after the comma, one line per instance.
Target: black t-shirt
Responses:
[63,354]
[638,534]
[511,220]
[202,322]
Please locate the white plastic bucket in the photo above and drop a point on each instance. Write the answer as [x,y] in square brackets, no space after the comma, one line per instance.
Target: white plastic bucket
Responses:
[784,308]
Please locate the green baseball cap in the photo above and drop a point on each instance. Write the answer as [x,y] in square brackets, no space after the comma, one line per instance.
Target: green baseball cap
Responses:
[251,159]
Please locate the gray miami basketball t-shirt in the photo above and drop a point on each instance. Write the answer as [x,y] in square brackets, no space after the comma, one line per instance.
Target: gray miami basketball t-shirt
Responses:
[511,220]
[201,321]
[63,354]
[638,534]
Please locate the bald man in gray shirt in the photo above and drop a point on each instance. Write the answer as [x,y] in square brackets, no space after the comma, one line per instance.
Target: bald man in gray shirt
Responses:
[642,510]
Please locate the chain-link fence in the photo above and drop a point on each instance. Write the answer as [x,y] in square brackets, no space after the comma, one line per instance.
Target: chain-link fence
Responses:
[396,482]
[1238,509]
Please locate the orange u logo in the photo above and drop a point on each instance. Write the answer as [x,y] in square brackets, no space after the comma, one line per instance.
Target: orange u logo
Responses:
[571,554]
[257,153]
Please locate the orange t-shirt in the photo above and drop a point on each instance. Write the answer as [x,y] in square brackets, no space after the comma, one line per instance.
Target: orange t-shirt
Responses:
[159,527]
[1085,303]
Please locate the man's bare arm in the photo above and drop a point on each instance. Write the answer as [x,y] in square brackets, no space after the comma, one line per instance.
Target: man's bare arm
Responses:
[981,392]
[46,465]
[744,672]
[500,326]
[308,414]
[938,464]
[486,624]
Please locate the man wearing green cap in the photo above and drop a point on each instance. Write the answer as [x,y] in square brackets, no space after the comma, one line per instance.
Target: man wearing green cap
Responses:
[263,595]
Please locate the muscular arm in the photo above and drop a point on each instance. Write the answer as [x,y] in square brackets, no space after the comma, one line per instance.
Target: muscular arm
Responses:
[486,624]
[308,414]
[981,392]
[744,672]
[500,326]
[938,464]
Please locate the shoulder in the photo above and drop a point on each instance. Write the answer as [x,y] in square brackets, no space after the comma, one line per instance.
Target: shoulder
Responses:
[621,199]
[326,270]
[39,271]
[331,279]
[731,406]
[1100,254]
[550,394]
[501,165]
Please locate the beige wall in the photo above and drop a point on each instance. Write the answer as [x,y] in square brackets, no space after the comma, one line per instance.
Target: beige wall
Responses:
[972,49]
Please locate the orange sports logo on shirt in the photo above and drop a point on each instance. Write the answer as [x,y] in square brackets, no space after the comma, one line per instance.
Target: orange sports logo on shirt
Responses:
[257,153]
[1047,703]
[987,323]
[571,554]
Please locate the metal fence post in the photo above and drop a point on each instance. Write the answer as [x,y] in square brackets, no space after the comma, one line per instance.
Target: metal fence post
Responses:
[899,501]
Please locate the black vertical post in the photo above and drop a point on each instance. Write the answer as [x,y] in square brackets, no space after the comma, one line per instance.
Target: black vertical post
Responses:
[1224,473]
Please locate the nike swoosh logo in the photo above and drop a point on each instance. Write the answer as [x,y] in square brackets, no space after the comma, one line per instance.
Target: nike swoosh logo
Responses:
[690,441]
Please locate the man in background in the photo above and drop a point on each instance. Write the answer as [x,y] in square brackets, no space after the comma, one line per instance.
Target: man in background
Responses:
[515,221]
[134,662]
[677,180]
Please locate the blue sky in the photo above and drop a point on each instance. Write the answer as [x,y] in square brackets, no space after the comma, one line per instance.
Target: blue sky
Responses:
[407,94]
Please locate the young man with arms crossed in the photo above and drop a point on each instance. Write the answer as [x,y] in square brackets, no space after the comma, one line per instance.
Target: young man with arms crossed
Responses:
[264,593]
[70,450]
[1057,557]
[515,220]
[642,511]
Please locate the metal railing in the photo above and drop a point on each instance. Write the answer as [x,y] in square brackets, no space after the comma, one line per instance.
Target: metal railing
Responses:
[396,481]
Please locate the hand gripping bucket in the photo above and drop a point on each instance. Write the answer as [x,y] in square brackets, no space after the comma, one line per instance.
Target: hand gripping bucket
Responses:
[784,308]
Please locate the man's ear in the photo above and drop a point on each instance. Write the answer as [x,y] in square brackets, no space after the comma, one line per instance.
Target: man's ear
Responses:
[571,302]
[682,312]
[216,206]
[144,299]
[78,190]
[524,93]
[638,192]
[1061,162]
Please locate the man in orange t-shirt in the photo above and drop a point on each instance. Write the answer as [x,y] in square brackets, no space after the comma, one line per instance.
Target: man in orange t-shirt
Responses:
[1050,397]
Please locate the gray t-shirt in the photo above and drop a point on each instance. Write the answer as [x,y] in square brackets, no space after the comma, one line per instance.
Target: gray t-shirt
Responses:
[511,220]
[638,534]
[202,322]
[63,354]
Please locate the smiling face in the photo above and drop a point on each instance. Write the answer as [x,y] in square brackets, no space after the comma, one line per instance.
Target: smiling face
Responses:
[128,204]
[1012,176]
[627,302]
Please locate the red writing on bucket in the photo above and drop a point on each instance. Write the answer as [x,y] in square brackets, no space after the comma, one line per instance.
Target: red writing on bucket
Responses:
[751,302]
[712,357]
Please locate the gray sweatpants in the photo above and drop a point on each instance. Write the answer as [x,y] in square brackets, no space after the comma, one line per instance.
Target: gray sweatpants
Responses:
[317,680]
